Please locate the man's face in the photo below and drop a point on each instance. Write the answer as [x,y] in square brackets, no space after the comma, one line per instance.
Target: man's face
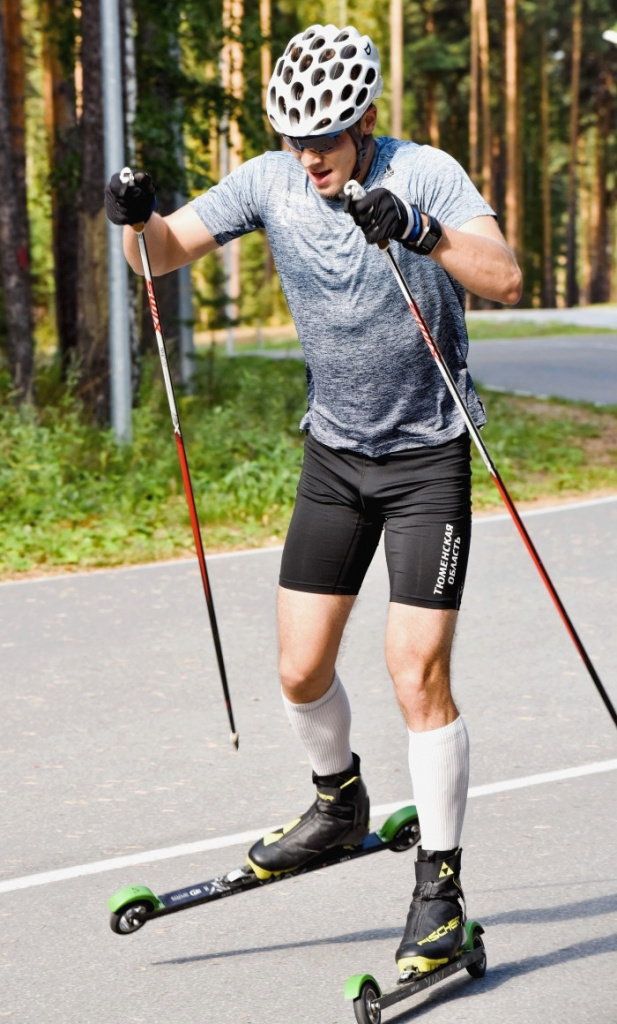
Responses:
[329,172]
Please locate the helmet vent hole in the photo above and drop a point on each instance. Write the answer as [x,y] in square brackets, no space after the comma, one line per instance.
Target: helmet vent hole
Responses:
[288,74]
[325,100]
[272,95]
[341,37]
[306,62]
[336,70]
[294,116]
[355,72]
[324,123]
[282,106]
[296,91]
[348,52]
[370,76]
[361,97]
[280,66]
[296,53]
[310,108]
[346,93]
[318,76]
[318,43]
[350,112]
[310,32]
[327,55]
[288,50]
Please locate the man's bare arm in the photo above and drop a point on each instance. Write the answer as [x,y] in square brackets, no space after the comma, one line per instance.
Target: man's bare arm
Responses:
[479,257]
[172,241]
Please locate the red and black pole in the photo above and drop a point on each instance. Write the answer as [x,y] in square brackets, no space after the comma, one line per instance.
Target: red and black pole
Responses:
[126,175]
[355,190]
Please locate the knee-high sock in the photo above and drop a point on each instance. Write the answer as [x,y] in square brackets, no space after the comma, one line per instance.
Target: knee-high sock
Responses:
[439,766]
[323,728]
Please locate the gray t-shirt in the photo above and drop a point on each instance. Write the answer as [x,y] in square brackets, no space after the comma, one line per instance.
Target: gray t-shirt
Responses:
[373,386]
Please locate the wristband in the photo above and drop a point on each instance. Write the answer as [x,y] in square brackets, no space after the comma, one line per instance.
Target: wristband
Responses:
[429,239]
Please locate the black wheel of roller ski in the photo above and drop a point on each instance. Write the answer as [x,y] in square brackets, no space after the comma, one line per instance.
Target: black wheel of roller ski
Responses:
[478,970]
[365,1013]
[406,837]
[130,918]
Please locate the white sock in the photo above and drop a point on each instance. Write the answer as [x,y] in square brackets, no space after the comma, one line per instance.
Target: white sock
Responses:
[439,766]
[323,728]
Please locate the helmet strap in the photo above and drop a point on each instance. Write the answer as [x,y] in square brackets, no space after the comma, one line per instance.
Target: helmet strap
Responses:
[362,143]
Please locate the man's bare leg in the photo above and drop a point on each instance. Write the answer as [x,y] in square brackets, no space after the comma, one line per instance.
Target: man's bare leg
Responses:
[310,632]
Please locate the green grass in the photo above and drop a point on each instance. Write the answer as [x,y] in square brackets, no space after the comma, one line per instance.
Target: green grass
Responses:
[71,498]
[478,329]
[483,330]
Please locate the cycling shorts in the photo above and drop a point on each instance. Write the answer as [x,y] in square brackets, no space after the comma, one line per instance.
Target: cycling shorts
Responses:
[420,498]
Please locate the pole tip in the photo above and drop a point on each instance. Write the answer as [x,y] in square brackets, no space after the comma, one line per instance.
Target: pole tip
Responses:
[235,739]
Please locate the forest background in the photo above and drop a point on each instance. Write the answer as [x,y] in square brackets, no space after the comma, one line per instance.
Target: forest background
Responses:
[521,92]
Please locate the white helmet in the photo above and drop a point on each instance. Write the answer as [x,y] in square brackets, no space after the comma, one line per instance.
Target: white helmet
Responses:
[324,82]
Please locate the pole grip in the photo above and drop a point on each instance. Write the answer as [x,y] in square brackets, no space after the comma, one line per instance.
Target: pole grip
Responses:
[355,191]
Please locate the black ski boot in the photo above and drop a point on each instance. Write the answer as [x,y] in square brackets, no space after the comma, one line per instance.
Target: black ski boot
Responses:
[339,817]
[435,929]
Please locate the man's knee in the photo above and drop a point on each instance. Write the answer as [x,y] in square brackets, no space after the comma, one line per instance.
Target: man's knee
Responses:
[304,679]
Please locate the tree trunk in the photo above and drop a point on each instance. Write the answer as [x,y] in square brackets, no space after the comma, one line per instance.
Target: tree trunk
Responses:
[474,93]
[396,67]
[92,297]
[572,295]
[14,231]
[599,282]
[548,294]
[512,132]
[61,122]
[485,91]
[232,76]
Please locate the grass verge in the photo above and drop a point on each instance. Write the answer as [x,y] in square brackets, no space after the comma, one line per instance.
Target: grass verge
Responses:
[70,498]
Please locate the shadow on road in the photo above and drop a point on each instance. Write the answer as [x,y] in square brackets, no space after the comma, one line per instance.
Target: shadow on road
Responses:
[503,972]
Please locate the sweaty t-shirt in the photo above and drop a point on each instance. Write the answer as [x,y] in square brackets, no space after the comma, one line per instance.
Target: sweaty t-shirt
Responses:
[373,386]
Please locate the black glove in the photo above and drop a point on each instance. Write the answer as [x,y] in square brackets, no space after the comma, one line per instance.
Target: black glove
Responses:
[382,215]
[130,204]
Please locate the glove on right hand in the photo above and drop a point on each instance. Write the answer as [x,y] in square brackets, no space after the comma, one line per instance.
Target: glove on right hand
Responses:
[130,203]
[382,215]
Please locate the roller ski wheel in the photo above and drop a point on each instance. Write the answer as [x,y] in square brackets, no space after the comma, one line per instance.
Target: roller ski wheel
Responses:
[477,969]
[369,1002]
[133,906]
[365,1005]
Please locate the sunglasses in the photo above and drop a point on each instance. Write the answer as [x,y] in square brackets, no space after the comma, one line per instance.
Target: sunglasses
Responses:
[318,143]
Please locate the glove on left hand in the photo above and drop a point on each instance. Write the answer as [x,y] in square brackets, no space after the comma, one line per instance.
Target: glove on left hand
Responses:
[130,203]
[382,215]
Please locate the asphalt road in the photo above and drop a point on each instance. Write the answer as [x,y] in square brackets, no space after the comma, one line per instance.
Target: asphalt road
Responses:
[579,367]
[113,743]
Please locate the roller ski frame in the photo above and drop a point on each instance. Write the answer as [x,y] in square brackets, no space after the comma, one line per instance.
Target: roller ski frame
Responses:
[133,906]
[369,1001]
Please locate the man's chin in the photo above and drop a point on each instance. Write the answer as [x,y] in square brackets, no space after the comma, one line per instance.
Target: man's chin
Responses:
[329,189]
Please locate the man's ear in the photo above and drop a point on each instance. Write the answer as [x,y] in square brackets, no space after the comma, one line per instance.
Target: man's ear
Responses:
[368,120]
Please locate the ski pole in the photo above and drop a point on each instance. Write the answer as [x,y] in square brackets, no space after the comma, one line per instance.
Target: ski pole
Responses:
[355,191]
[126,176]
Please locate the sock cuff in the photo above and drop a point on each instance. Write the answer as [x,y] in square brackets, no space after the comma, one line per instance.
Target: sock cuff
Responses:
[313,705]
[444,736]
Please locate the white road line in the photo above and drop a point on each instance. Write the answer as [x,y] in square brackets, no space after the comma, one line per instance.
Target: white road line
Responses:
[243,838]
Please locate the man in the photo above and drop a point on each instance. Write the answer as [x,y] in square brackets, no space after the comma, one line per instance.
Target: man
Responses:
[386,449]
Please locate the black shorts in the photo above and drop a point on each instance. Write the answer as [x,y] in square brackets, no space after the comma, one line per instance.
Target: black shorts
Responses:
[420,497]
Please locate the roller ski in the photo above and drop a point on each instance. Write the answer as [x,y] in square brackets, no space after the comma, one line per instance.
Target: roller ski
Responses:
[334,830]
[437,941]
